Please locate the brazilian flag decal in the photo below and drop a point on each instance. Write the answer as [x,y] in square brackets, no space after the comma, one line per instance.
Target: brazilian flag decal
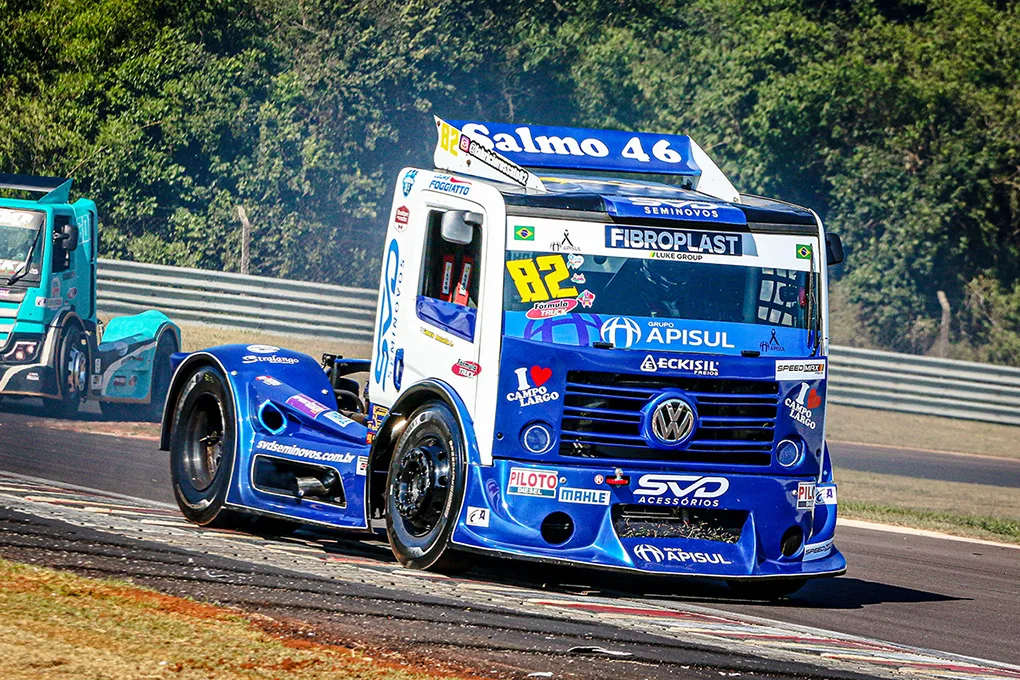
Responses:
[803,251]
[524,234]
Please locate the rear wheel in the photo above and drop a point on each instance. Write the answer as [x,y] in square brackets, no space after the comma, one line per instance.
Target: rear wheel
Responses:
[72,371]
[424,490]
[202,438]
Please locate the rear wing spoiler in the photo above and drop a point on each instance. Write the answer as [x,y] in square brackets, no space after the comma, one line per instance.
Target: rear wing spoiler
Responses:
[56,189]
[499,146]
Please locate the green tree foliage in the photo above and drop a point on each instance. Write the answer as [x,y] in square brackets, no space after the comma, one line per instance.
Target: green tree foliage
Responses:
[899,122]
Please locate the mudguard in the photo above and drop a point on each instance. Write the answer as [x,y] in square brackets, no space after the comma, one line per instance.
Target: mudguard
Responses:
[286,420]
[124,358]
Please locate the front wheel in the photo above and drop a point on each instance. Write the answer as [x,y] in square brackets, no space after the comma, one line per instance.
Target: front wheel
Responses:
[72,372]
[425,488]
[202,437]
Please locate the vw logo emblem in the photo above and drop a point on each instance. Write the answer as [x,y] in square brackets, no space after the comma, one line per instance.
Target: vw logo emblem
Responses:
[649,553]
[620,331]
[672,421]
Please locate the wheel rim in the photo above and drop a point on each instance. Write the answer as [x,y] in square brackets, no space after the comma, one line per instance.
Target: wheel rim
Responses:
[203,442]
[421,486]
[77,368]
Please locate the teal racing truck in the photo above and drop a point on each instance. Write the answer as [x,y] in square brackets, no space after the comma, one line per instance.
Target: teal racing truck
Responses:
[52,344]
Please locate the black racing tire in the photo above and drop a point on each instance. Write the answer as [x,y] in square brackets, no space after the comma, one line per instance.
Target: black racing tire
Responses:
[203,436]
[772,589]
[72,371]
[424,490]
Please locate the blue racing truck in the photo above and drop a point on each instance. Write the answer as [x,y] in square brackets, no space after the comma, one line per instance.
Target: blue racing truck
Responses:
[572,363]
[51,342]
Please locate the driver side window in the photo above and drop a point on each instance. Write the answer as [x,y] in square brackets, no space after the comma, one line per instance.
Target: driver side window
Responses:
[61,257]
[451,271]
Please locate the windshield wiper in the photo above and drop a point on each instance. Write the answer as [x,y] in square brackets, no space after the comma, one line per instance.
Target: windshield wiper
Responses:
[813,315]
[21,271]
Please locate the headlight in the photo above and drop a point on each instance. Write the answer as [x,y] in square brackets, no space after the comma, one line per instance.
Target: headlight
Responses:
[788,453]
[23,350]
[537,437]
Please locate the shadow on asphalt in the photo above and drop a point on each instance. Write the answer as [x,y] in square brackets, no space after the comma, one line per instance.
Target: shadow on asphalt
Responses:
[836,593]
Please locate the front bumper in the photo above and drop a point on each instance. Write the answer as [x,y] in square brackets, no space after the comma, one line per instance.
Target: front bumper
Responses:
[730,526]
[28,380]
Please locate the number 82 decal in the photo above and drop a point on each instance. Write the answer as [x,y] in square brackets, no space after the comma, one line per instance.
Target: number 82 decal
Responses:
[533,286]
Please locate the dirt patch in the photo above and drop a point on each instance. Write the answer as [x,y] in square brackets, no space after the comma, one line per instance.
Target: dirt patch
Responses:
[57,625]
[146,431]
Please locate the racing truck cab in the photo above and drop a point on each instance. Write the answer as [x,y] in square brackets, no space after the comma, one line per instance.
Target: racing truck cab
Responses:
[49,328]
[571,363]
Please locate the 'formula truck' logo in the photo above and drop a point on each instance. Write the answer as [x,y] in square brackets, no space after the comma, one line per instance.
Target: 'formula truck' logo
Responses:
[681,490]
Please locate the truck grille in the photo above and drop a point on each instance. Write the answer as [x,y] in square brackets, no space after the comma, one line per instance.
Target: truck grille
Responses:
[642,521]
[602,418]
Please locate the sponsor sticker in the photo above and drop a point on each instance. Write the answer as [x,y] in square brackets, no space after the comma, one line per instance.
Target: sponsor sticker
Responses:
[578,277]
[681,490]
[692,366]
[584,496]
[263,349]
[338,418]
[362,469]
[531,388]
[119,381]
[547,310]
[800,369]
[528,482]
[255,359]
[477,517]
[574,261]
[293,450]
[522,233]
[802,405]
[771,345]
[436,336]
[407,183]
[816,551]
[676,240]
[586,298]
[825,494]
[466,369]
[655,554]
[268,380]
[564,245]
[450,185]
[97,382]
[306,405]
[805,495]
[403,215]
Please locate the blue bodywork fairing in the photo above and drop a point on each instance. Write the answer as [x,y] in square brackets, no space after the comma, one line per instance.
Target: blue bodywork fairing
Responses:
[286,416]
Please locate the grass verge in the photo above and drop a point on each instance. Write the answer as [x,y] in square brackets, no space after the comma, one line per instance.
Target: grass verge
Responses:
[975,510]
[59,625]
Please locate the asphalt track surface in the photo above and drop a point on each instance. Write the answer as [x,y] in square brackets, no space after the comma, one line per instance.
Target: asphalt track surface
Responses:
[954,596]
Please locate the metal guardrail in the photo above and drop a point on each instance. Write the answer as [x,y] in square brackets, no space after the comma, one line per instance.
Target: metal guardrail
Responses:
[858,377]
[253,303]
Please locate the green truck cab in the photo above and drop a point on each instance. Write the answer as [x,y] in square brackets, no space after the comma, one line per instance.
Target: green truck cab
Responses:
[52,345]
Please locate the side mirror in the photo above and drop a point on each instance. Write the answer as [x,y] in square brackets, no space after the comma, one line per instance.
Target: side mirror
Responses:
[458,226]
[833,249]
[69,236]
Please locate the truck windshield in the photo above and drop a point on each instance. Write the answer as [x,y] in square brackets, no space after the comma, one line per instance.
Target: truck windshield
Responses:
[645,301]
[19,230]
